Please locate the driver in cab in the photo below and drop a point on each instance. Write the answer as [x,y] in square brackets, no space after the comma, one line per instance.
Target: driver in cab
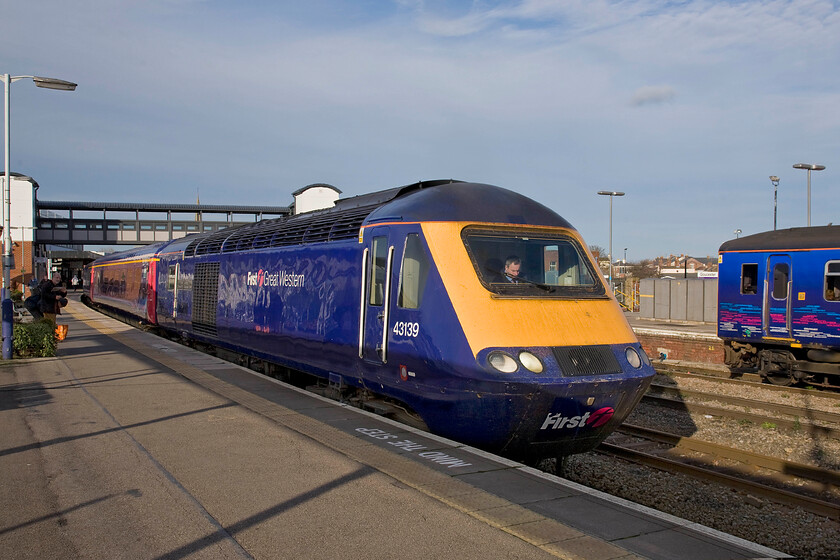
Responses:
[512,267]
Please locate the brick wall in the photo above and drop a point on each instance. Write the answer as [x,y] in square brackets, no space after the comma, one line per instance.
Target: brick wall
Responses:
[682,347]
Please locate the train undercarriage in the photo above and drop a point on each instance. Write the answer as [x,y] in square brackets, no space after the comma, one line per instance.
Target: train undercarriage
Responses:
[784,365]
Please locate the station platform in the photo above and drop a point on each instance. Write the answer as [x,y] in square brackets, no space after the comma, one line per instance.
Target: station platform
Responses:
[131,446]
[679,343]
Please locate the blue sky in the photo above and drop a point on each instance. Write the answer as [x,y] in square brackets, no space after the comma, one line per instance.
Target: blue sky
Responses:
[687,106]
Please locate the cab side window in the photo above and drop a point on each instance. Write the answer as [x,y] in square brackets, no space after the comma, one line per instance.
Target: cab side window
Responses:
[832,281]
[377,273]
[749,279]
[414,272]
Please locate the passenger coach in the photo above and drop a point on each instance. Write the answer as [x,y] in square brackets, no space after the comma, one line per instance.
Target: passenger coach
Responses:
[399,300]
[779,304]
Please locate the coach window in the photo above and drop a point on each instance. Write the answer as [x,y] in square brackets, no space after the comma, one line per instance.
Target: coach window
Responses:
[171,283]
[380,256]
[749,279]
[781,275]
[832,281]
[415,270]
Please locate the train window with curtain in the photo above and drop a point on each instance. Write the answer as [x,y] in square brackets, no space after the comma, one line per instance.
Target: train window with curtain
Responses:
[781,276]
[413,273]
[546,264]
[749,279]
[832,281]
[377,273]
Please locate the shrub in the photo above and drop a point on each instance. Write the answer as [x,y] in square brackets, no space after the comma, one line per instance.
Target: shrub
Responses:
[34,339]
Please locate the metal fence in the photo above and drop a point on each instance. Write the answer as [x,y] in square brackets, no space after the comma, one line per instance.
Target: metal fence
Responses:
[681,299]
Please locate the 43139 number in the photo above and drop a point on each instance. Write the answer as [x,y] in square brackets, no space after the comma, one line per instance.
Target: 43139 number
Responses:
[402,328]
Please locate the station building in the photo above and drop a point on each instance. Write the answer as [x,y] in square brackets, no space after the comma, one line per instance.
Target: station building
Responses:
[63,236]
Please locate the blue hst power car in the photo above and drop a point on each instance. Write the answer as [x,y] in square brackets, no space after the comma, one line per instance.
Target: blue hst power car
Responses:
[399,299]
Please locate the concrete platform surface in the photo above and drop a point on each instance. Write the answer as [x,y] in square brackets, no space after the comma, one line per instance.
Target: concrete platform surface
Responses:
[131,446]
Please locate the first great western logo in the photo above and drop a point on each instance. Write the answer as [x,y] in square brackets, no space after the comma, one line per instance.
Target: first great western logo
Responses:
[281,278]
[590,419]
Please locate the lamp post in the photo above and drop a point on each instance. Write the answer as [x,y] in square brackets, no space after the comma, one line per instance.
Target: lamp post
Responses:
[611,194]
[810,167]
[8,259]
[775,181]
[737,233]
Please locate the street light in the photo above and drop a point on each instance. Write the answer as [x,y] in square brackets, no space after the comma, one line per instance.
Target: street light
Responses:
[737,233]
[810,167]
[48,83]
[611,194]
[775,181]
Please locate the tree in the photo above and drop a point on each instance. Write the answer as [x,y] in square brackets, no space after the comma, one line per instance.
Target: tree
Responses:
[597,251]
[643,269]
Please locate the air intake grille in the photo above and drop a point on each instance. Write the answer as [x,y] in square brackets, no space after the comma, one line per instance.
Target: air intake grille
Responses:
[205,298]
[586,360]
[282,232]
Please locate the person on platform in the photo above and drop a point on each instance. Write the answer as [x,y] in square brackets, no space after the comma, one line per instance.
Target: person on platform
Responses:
[33,302]
[52,293]
[75,281]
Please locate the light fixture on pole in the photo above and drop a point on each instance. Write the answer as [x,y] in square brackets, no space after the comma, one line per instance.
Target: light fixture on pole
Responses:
[611,194]
[775,181]
[8,258]
[737,233]
[810,167]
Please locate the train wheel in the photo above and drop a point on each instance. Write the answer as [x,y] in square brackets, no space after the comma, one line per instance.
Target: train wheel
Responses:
[780,378]
[777,367]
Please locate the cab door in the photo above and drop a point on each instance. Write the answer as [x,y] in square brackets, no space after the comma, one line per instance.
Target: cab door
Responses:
[777,297]
[376,295]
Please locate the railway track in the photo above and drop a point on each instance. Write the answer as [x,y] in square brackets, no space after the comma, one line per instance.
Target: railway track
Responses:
[778,480]
[696,370]
[812,488]
[750,410]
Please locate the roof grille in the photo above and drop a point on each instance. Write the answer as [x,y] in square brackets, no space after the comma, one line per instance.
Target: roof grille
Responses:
[586,360]
[282,232]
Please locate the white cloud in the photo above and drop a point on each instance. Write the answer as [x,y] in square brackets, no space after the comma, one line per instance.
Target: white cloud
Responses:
[650,95]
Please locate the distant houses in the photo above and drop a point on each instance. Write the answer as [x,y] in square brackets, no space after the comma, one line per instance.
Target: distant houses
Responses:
[672,266]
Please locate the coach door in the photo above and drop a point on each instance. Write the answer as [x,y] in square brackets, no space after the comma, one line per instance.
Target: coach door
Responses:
[777,297]
[376,295]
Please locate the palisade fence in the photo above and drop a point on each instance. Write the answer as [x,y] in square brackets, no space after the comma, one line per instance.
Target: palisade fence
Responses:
[679,299]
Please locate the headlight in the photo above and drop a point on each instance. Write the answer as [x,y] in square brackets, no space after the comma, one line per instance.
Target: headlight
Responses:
[531,362]
[633,357]
[502,362]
